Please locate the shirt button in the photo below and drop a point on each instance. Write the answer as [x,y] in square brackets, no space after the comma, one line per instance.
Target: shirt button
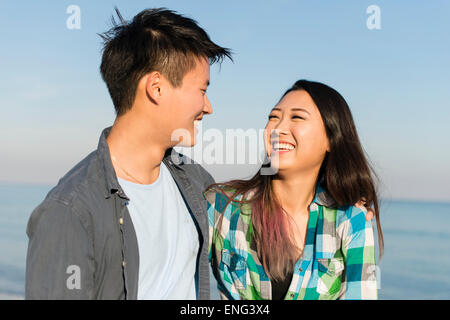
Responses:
[292,295]
[123,264]
[121,220]
[300,269]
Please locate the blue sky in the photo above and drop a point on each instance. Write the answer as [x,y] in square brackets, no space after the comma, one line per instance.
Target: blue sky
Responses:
[54,103]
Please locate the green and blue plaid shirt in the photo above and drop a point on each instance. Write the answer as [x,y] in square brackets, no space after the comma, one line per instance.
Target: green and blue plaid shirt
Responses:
[338,260]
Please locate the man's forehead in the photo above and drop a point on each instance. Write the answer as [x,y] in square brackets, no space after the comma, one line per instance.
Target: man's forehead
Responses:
[199,75]
[202,66]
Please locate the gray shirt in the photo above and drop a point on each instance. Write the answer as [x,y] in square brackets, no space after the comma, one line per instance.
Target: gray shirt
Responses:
[82,242]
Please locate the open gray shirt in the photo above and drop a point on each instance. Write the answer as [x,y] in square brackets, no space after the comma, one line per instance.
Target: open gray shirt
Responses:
[82,243]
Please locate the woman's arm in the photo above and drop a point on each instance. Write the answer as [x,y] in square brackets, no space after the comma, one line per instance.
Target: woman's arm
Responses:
[359,253]
[215,212]
[211,220]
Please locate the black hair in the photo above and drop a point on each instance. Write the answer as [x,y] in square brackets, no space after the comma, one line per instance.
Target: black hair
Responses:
[155,40]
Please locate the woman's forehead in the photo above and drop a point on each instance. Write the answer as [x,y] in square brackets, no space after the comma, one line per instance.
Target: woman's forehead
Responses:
[298,100]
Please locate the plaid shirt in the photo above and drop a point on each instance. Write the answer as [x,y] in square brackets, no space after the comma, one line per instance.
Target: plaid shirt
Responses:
[338,260]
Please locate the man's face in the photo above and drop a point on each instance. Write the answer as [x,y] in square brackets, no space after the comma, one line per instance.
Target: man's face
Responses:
[188,103]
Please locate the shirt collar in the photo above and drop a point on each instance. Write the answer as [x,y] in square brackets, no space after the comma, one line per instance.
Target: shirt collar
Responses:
[322,197]
[171,158]
[111,183]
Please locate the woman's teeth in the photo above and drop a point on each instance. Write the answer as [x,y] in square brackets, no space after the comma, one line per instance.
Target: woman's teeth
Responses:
[283,147]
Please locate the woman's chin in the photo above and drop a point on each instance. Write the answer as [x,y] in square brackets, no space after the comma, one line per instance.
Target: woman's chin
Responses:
[280,166]
[282,160]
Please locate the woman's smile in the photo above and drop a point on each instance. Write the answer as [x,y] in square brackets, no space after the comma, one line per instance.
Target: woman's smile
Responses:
[282,147]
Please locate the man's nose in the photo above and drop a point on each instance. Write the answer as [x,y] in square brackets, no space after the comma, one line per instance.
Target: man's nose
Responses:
[207,108]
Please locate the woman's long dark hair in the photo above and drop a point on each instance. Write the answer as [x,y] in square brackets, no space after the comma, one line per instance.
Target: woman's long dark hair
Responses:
[345,174]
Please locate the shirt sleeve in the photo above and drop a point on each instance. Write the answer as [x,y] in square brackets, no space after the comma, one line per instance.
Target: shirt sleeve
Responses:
[359,254]
[60,263]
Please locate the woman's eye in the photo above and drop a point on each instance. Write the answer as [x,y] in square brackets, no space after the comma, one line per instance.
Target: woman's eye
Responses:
[272,117]
[298,117]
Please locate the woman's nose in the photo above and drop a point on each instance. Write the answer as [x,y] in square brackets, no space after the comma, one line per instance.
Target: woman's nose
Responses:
[282,126]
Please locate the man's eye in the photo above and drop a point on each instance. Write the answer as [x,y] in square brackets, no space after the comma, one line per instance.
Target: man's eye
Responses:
[298,117]
[272,117]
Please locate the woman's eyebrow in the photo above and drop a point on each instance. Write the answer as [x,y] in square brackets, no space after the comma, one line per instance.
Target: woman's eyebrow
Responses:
[300,109]
[293,109]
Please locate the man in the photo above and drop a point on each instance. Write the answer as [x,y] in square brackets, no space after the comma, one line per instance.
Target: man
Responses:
[129,221]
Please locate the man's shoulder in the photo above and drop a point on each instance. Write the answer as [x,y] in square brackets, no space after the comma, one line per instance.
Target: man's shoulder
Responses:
[82,178]
[76,190]
[72,194]
[194,170]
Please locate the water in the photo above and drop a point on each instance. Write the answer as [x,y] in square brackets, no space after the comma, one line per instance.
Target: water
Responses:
[416,263]
[18,201]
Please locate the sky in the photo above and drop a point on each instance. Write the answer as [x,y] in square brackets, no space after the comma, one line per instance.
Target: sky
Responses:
[54,104]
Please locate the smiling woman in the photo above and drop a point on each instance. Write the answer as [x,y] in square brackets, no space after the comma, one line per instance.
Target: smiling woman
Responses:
[297,129]
[297,234]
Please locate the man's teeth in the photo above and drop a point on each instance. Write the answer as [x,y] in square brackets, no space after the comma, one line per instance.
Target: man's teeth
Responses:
[283,146]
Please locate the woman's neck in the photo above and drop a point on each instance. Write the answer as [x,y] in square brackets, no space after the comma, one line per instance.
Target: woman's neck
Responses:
[295,191]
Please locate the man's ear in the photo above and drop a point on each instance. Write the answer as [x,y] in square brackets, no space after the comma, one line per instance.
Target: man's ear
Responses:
[153,86]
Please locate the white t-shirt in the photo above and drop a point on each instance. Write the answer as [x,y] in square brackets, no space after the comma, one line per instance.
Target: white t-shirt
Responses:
[167,238]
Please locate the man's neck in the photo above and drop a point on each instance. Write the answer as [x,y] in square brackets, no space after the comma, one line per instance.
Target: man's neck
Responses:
[134,156]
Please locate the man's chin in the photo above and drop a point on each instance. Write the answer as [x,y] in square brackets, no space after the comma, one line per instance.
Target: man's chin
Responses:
[185,138]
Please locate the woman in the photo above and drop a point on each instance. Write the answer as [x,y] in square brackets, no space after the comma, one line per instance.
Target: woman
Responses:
[295,233]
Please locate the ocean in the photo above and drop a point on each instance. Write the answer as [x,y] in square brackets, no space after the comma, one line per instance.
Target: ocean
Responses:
[415,265]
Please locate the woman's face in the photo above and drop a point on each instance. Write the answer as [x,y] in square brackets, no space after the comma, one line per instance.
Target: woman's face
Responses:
[295,134]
